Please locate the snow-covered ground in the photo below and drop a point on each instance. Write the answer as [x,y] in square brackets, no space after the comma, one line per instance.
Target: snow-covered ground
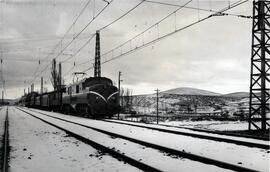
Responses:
[253,158]
[37,146]
[152,157]
[172,128]
[201,124]
[210,125]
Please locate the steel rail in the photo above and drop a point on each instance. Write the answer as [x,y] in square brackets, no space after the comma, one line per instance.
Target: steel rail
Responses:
[5,145]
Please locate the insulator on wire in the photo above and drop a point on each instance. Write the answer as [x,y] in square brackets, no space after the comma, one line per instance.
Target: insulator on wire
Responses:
[74,64]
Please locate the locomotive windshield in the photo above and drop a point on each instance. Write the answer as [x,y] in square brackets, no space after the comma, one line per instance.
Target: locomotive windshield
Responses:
[97,80]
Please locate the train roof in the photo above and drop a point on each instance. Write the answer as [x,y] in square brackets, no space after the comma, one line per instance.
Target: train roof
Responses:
[86,81]
[93,81]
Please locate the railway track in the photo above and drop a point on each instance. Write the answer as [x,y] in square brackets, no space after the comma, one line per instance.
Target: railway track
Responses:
[101,147]
[195,129]
[236,140]
[170,151]
[5,145]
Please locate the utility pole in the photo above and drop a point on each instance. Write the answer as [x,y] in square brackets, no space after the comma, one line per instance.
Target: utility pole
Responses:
[119,90]
[41,86]
[259,101]
[32,87]
[54,74]
[41,91]
[97,71]
[157,90]
[60,84]
[2,97]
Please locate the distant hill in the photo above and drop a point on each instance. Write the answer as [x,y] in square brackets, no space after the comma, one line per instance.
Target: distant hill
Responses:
[10,101]
[190,91]
[237,95]
[185,99]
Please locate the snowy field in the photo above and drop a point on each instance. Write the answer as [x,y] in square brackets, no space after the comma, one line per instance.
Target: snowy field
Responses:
[210,125]
[253,158]
[201,124]
[37,146]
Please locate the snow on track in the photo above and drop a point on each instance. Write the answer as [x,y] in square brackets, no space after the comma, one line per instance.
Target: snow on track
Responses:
[253,158]
[211,125]
[172,128]
[152,157]
[37,146]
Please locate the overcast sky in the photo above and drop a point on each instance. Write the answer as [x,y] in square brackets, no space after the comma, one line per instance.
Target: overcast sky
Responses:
[213,55]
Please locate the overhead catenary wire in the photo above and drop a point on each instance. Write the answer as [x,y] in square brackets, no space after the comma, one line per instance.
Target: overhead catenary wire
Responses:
[102,28]
[164,36]
[75,37]
[87,42]
[119,18]
[114,21]
[60,42]
[141,33]
[85,27]
[111,23]
[71,26]
[200,9]
[136,35]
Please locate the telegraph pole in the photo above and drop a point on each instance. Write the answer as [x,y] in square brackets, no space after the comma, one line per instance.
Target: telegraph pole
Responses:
[119,90]
[157,90]
[260,66]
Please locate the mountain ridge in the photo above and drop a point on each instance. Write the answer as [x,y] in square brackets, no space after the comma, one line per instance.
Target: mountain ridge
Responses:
[189,91]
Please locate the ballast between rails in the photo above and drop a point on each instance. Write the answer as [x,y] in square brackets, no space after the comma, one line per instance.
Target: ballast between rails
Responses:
[184,154]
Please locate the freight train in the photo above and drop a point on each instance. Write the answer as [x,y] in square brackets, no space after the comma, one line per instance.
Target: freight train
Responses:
[94,97]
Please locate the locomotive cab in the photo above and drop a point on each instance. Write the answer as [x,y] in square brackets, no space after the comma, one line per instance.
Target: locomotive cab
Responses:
[94,96]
